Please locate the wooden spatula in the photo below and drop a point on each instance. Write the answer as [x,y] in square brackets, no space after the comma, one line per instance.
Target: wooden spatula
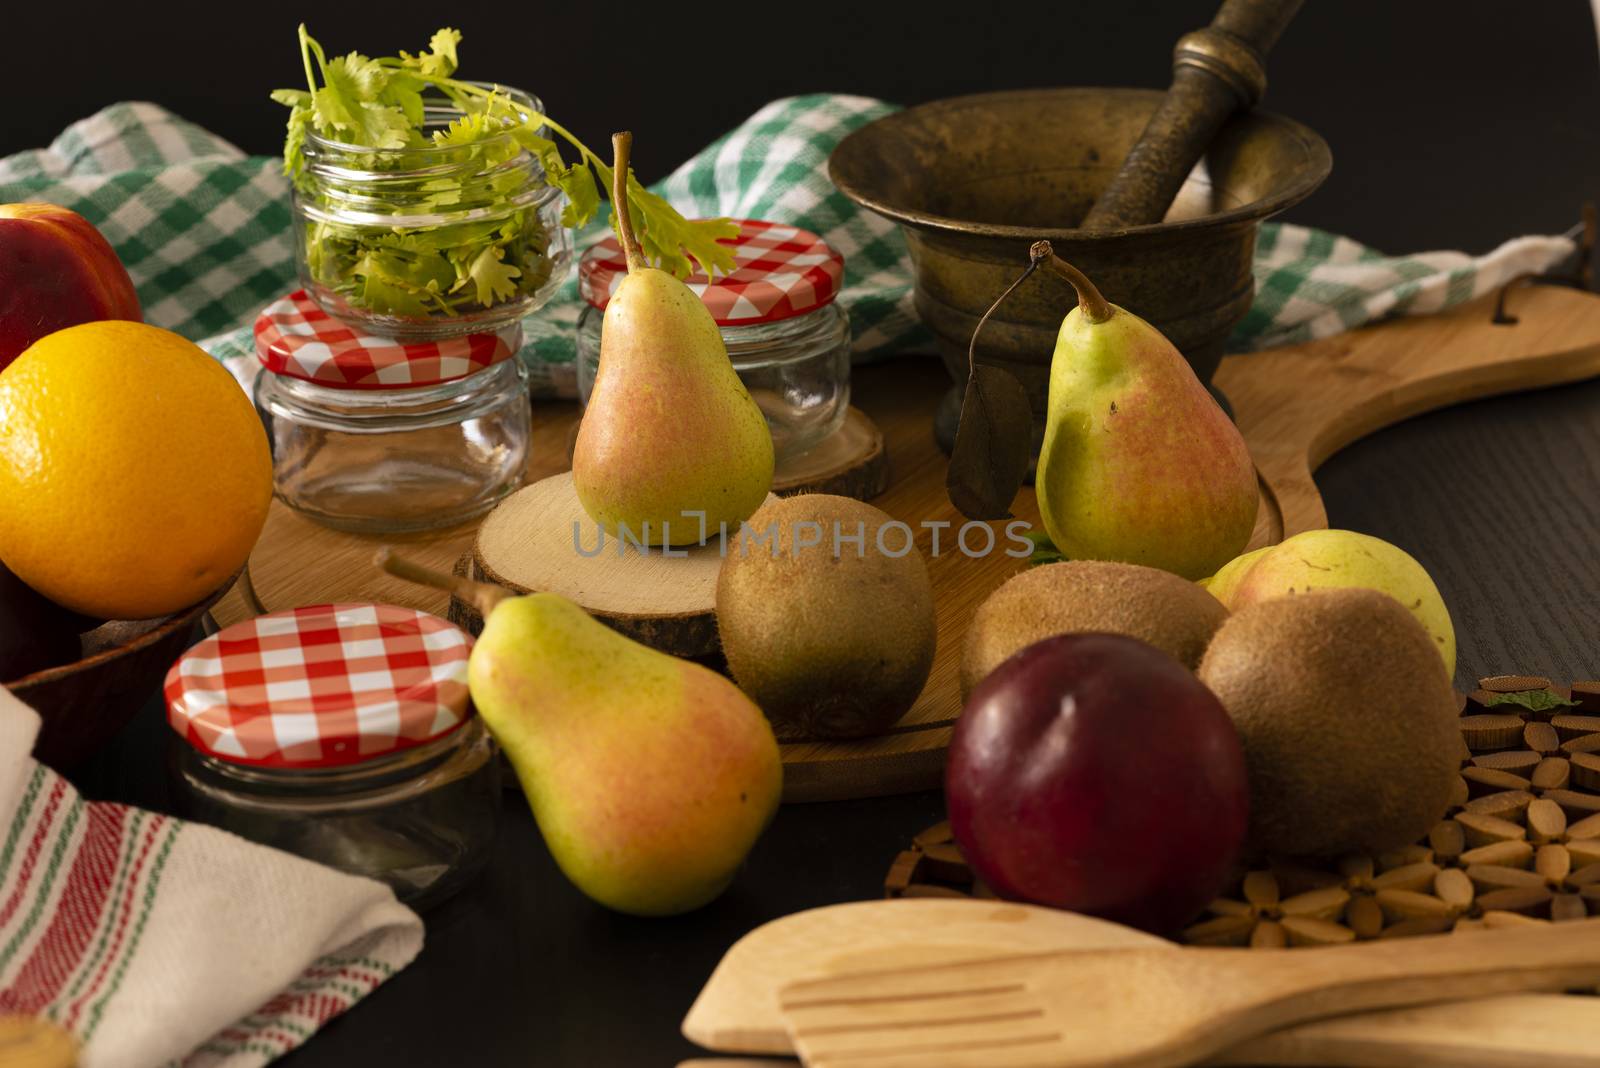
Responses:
[1155,1007]
[737,1012]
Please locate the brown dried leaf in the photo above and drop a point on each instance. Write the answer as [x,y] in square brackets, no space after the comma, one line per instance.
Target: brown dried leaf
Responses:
[993,443]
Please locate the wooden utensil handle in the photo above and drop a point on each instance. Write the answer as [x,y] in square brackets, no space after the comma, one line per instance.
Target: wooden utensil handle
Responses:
[1215,72]
[1383,974]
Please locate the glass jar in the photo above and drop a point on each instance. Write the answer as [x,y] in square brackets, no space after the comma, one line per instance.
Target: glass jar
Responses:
[384,234]
[421,820]
[786,335]
[364,437]
[343,733]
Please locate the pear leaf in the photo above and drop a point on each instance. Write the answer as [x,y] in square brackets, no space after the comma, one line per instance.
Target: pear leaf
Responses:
[1044,550]
[993,441]
[1532,700]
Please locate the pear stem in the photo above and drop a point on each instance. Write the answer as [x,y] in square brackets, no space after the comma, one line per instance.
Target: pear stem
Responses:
[1095,308]
[621,147]
[480,595]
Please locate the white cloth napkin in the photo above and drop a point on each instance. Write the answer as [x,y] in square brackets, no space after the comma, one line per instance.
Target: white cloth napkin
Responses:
[160,942]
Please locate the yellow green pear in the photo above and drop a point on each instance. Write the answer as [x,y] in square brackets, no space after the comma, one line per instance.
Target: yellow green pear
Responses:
[671,446]
[1337,559]
[1139,463]
[650,777]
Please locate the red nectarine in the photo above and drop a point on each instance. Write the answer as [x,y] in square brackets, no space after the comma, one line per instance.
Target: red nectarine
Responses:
[56,270]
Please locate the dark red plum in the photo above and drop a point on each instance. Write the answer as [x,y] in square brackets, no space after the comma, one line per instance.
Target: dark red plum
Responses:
[1093,772]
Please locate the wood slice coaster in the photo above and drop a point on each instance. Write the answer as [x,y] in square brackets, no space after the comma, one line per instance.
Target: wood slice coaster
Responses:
[668,602]
[850,462]
[1534,859]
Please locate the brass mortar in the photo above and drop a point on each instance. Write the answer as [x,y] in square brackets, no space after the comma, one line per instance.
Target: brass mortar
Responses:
[974,180]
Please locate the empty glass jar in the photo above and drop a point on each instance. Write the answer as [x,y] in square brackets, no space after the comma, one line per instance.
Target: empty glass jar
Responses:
[366,437]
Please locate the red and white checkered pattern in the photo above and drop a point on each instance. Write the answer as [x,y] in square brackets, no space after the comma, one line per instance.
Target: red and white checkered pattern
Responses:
[295,337]
[321,687]
[780,271]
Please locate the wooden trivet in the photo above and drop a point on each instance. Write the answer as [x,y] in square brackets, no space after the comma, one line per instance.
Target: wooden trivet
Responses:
[1519,844]
[850,462]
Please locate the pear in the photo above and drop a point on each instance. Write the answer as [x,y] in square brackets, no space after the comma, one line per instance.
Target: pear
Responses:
[1139,464]
[1336,559]
[650,777]
[671,446]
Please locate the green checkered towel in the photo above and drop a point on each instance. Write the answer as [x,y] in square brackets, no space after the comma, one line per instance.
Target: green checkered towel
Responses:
[204,231]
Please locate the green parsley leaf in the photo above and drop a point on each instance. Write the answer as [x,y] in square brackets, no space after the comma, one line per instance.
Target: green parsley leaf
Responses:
[493,279]
[1532,700]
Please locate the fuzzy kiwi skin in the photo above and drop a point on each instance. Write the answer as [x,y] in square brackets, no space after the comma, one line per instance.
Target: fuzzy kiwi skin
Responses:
[1348,721]
[1155,606]
[830,646]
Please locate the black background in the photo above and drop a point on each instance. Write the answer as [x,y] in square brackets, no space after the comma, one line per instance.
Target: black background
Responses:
[1452,125]
[1453,122]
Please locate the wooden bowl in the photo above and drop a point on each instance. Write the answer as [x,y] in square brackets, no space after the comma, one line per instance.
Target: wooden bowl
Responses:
[82,705]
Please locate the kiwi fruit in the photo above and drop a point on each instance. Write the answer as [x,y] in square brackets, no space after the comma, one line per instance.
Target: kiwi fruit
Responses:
[1348,721]
[832,639]
[1171,613]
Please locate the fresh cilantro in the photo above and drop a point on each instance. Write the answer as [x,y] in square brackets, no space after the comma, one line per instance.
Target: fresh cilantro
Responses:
[454,268]
[1532,700]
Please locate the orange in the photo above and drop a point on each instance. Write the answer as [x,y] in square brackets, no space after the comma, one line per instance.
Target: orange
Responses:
[134,472]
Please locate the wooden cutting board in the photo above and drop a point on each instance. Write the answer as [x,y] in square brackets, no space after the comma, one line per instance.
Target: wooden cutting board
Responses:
[1296,406]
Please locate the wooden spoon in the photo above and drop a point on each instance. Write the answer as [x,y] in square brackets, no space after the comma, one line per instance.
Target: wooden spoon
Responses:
[1156,1007]
[738,1012]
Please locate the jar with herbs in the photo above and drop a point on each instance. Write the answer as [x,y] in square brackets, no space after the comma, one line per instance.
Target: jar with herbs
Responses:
[434,238]
[342,733]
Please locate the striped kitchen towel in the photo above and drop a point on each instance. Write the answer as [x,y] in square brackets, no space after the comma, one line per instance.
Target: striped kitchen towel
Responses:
[159,942]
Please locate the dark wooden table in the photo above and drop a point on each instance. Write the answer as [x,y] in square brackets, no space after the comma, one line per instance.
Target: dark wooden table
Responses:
[1500,499]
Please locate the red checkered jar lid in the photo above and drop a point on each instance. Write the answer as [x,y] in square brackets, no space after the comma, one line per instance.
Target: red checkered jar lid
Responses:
[325,686]
[779,272]
[295,337]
